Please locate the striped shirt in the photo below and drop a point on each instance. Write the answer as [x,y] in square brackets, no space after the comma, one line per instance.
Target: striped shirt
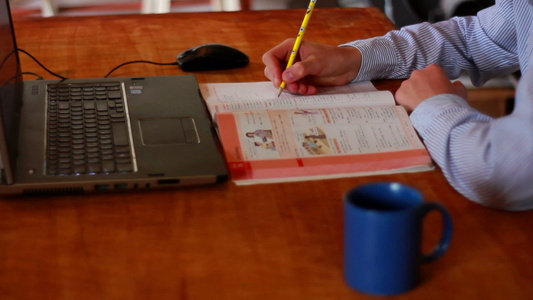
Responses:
[488,160]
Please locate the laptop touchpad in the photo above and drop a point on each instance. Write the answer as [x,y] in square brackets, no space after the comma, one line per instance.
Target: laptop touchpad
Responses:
[165,131]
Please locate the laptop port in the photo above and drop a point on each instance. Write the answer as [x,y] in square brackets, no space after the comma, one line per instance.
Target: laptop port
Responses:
[168,181]
[101,187]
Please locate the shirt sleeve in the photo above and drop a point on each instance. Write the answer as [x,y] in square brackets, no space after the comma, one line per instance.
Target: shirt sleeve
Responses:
[488,160]
[482,45]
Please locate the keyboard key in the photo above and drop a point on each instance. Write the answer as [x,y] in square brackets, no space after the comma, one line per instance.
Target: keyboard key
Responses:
[94,168]
[122,168]
[108,166]
[114,95]
[101,106]
[120,134]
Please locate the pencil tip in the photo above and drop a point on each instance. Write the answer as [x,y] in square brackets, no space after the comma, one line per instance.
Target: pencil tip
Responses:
[280,90]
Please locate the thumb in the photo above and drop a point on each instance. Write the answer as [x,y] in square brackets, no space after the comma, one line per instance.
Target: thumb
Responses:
[308,66]
[295,72]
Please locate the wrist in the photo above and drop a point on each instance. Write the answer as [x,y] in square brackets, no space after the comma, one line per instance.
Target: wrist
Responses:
[352,60]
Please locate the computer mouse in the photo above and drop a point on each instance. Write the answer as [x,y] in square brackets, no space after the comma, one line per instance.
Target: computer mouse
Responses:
[212,57]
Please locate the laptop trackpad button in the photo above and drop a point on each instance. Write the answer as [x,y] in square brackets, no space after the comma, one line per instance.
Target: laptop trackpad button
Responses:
[165,131]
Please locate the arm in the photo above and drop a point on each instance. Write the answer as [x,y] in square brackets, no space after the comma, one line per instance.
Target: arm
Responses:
[398,53]
[490,161]
[459,44]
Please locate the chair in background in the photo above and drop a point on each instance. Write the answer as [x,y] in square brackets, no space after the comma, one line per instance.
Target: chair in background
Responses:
[230,5]
[163,6]
[319,4]
[408,12]
[155,6]
[50,7]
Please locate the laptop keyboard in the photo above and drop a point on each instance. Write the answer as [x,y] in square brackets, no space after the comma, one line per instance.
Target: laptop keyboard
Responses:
[87,131]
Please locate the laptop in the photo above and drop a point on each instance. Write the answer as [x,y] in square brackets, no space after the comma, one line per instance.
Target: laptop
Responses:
[84,135]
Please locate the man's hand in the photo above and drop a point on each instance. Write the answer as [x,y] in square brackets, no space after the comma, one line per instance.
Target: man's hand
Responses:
[316,65]
[425,84]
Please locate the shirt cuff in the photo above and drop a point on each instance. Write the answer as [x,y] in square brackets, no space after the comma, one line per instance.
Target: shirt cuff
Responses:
[378,58]
[435,108]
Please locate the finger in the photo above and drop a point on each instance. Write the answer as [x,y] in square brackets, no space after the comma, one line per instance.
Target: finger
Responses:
[272,69]
[279,55]
[302,89]
[460,89]
[459,84]
[400,94]
[292,88]
[268,74]
[275,60]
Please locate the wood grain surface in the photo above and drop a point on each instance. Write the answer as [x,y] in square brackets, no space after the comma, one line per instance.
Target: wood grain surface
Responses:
[272,241]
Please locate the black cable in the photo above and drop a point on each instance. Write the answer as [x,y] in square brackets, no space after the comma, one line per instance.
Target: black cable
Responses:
[39,77]
[139,61]
[109,73]
[6,58]
[40,64]
[14,78]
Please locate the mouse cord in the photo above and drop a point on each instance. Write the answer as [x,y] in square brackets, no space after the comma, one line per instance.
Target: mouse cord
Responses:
[107,75]
[39,77]
[40,64]
[139,61]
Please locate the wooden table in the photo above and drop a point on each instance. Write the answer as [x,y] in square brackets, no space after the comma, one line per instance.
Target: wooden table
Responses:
[282,241]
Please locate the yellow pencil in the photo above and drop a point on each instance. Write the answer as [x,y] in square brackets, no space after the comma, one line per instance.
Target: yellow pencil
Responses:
[299,39]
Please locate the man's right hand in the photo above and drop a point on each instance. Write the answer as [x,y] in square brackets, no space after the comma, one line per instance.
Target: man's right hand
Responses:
[315,65]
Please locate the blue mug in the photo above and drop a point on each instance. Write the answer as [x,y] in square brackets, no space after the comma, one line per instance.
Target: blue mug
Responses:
[383,232]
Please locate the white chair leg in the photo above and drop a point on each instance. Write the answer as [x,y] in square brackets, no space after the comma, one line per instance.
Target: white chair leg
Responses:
[146,7]
[162,6]
[49,8]
[216,5]
[225,5]
[231,5]
[155,6]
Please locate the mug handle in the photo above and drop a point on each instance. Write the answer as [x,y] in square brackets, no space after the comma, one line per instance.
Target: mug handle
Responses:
[446,238]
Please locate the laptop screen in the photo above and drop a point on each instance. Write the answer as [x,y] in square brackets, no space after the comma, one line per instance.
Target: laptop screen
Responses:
[10,89]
